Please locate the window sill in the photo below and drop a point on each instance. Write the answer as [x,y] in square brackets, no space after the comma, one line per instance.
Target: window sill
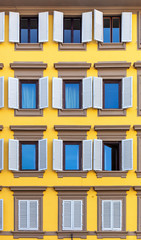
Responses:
[28,112]
[74,234]
[138,174]
[82,174]
[111,46]
[138,234]
[28,234]
[72,46]
[18,174]
[101,174]
[112,234]
[111,112]
[28,46]
[72,112]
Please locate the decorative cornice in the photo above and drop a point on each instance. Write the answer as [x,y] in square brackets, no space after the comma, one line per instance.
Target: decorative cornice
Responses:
[27,188]
[137,127]
[72,127]
[112,64]
[137,188]
[72,188]
[72,65]
[111,127]
[28,127]
[1,65]
[1,127]
[0,188]
[28,65]
[111,188]
[137,64]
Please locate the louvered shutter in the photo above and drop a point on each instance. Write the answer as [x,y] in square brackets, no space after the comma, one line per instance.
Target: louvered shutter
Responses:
[66,215]
[13,154]
[33,215]
[87,155]
[43,92]
[1,214]
[57,154]
[97,154]
[97,93]
[127,154]
[57,93]
[87,27]
[1,92]
[58,26]
[14,27]
[87,92]
[127,92]
[117,215]
[43,27]
[98,25]
[77,216]
[42,154]
[13,93]
[23,221]
[2,26]
[126,27]
[106,215]
[1,153]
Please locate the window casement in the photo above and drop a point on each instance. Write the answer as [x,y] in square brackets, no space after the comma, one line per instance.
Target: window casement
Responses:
[28,29]
[112,29]
[72,30]
[138,129]
[1,214]
[1,92]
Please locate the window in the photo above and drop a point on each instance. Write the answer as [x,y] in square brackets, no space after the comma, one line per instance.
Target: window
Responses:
[72,30]
[28,156]
[138,129]
[29,94]
[111,29]
[112,94]
[28,29]
[112,156]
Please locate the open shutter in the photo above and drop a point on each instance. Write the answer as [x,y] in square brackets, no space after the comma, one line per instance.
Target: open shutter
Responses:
[13,154]
[106,215]
[1,214]
[77,216]
[2,26]
[87,155]
[66,215]
[97,154]
[1,92]
[127,92]
[98,25]
[14,27]
[23,207]
[57,154]
[126,27]
[57,93]
[1,153]
[43,27]
[117,215]
[97,93]
[33,215]
[13,93]
[87,92]
[43,92]
[42,154]
[127,154]
[87,27]
[58,26]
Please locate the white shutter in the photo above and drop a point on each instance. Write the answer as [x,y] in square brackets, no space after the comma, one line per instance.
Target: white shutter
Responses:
[98,25]
[42,154]
[23,209]
[1,92]
[106,214]
[127,92]
[1,153]
[97,154]
[87,155]
[13,154]
[117,215]
[127,154]
[57,93]
[33,215]
[43,92]
[57,26]
[87,92]
[126,27]
[87,27]
[43,27]
[66,215]
[13,93]
[2,26]
[97,92]
[57,155]
[77,215]
[14,26]
[1,214]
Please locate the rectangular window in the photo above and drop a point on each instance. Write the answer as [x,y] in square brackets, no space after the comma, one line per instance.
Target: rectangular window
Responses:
[28,94]
[112,94]
[28,156]
[28,29]
[72,30]
[111,156]
[112,29]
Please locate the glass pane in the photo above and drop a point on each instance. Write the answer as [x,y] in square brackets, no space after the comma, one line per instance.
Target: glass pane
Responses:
[72,95]
[28,95]
[33,30]
[28,156]
[24,30]
[107,30]
[67,31]
[116,30]
[107,158]
[76,31]
[71,157]
[111,95]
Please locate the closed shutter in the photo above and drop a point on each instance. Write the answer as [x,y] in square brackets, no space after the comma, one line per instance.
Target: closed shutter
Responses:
[127,154]
[97,93]
[1,153]
[1,92]
[87,155]
[87,92]
[97,154]
[1,214]
[127,92]
[43,92]
[42,154]
[14,26]
[98,25]
[23,209]
[126,27]
[106,215]
[33,215]
[57,155]
[43,27]
[13,93]
[58,26]
[66,215]
[117,215]
[77,216]
[57,93]
[2,26]
[13,154]
[87,27]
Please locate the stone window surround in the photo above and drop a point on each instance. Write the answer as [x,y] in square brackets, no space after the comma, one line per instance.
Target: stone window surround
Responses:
[111,193]
[139,29]
[138,232]
[111,133]
[138,129]
[108,71]
[72,193]
[72,71]
[1,127]
[72,133]
[28,133]
[28,193]
[137,65]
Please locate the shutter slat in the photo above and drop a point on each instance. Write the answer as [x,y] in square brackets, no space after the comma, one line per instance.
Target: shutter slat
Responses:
[43,27]
[1,214]
[77,216]
[1,153]
[42,154]
[43,92]
[1,92]
[14,27]
[106,215]
[23,224]
[87,155]
[127,92]
[98,25]
[97,93]
[117,215]
[58,26]
[127,154]
[87,27]
[13,93]
[66,216]
[57,154]
[13,154]
[33,214]
[87,92]
[98,154]
[2,26]
[126,27]
[57,93]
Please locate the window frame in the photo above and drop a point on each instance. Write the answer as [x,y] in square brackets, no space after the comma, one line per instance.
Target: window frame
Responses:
[72,22]
[111,27]
[29,22]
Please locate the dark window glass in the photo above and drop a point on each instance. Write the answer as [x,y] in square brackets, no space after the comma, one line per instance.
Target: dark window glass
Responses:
[76,31]
[24,30]
[112,95]
[29,30]
[111,156]
[72,95]
[107,30]
[72,156]
[33,30]
[28,156]
[72,30]
[111,29]
[28,95]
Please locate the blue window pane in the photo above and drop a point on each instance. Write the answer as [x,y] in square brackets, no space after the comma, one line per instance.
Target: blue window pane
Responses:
[71,157]
[67,36]
[33,36]
[28,95]
[24,35]
[107,158]
[72,95]
[111,95]
[76,36]
[106,31]
[28,156]
[116,30]
[76,30]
